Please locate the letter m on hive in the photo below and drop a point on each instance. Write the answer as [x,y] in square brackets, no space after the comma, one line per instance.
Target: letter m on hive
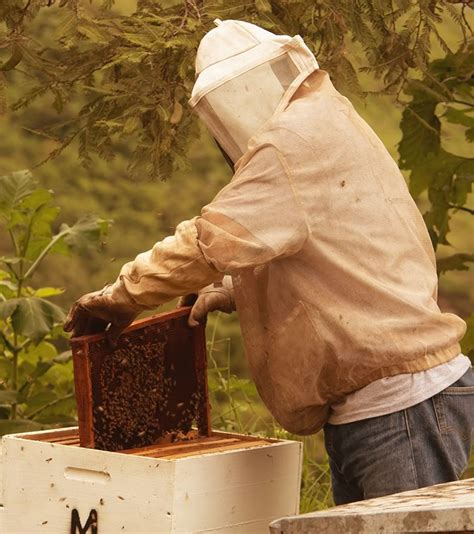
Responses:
[89,528]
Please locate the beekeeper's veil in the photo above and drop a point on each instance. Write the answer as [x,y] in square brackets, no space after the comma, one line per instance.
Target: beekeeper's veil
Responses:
[244,75]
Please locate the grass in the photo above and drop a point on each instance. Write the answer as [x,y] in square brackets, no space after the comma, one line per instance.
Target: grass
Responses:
[237,408]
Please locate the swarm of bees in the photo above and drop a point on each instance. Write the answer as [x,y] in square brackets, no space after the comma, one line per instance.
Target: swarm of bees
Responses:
[148,389]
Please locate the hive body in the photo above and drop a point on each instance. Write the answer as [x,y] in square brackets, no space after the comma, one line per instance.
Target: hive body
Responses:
[224,483]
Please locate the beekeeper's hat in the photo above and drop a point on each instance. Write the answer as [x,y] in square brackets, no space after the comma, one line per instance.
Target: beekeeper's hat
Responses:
[244,75]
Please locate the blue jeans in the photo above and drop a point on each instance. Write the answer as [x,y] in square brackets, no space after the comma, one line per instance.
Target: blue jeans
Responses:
[426,444]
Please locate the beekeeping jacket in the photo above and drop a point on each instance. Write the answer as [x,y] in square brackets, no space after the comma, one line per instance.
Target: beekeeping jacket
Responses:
[332,266]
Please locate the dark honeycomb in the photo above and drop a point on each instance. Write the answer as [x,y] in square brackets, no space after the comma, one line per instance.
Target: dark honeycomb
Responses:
[148,387]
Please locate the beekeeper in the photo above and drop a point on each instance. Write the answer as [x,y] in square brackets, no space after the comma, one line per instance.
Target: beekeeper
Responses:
[330,264]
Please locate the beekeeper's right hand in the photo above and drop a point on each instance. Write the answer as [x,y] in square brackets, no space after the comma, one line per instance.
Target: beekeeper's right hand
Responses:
[214,297]
[94,311]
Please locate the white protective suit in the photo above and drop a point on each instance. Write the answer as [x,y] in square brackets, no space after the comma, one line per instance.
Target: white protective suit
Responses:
[332,266]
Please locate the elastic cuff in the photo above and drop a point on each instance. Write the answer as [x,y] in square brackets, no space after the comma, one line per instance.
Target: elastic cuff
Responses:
[229,287]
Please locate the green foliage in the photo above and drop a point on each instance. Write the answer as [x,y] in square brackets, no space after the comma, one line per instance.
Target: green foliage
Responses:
[455,262]
[442,97]
[444,94]
[316,491]
[35,380]
[235,398]
[136,71]
[31,317]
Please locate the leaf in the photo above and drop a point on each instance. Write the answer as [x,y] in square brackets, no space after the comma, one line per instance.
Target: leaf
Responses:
[8,396]
[31,375]
[36,199]
[458,116]
[31,217]
[57,332]
[461,188]
[4,275]
[44,292]
[14,188]
[86,231]
[10,261]
[18,425]
[8,289]
[14,59]
[34,317]
[131,124]
[40,399]
[60,376]
[419,88]
[92,33]
[41,369]
[32,354]
[163,113]
[263,6]
[421,132]
[455,262]
[7,308]
[64,357]
[177,114]
[40,225]
[138,39]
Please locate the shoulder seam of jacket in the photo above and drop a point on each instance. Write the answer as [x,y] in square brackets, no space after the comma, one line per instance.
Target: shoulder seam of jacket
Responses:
[279,127]
[286,168]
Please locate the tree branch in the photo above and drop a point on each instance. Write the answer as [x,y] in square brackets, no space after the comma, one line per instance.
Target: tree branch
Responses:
[461,208]
[49,405]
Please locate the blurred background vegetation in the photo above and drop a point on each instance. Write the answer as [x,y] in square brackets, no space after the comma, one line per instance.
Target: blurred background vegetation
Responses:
[94,102]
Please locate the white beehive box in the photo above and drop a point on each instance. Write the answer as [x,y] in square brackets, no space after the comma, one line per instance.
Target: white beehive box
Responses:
[237,490]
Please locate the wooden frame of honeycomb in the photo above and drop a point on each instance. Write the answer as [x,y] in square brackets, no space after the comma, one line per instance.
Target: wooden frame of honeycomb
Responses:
[150,388]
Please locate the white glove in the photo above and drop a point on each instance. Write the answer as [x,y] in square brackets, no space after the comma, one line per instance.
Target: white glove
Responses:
[94,311]
[217,296]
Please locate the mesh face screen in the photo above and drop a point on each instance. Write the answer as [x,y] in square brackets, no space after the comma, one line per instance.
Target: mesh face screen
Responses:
[151,385]
[237,109]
